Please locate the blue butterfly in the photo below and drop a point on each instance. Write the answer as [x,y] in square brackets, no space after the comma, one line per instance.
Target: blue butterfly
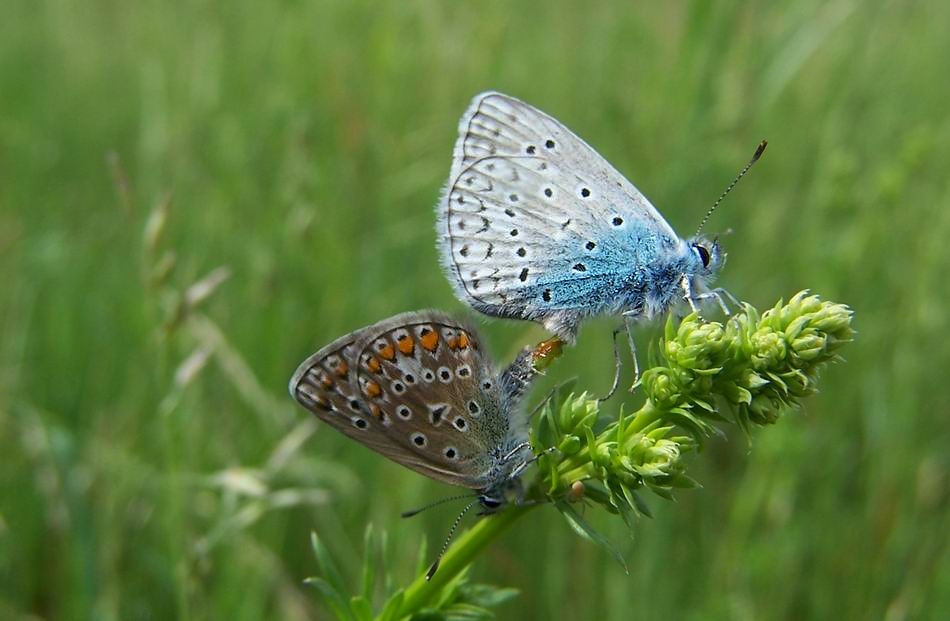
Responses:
[534,224]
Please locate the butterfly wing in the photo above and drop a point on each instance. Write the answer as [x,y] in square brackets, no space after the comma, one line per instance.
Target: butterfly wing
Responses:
[534,222]
[415,388]
[435,395]
[322,384]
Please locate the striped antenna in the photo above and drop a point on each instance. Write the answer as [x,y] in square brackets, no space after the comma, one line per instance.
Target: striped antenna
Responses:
[407,514]
[445,546]
[755,157]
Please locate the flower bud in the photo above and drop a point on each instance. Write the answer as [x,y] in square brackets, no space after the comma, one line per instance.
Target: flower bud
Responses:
[808,347]
[601,454]
[765,409]
[577,413]
[768,350]
[660,458]
[660,387]
[569,445]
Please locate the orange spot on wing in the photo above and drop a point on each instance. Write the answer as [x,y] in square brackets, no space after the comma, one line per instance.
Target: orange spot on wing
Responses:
[375,411]
[429,339]
[387,352]
[463,340]
[372,389]
[325,381]
[342,369]
[405,344]
[453,343]
[372,363]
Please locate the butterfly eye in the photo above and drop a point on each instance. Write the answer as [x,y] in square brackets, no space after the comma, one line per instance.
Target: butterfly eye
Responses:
[703,254]
[488,502]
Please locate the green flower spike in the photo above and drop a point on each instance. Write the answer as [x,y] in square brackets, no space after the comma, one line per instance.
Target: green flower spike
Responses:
[748,371]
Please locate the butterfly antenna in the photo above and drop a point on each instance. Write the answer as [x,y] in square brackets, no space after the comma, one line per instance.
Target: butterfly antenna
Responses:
[755,157]
[448,539]
[407,514]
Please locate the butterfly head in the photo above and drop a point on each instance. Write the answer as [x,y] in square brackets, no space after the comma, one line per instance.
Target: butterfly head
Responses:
[496,497]
[705,259]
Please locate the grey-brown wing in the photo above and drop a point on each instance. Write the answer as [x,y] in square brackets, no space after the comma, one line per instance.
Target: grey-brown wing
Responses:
[416,388]
[433,389]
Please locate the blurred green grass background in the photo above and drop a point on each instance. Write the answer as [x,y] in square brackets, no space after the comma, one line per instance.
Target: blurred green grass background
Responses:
[302,145]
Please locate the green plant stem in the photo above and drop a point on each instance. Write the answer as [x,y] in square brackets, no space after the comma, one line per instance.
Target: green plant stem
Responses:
[469,545]
[643,418]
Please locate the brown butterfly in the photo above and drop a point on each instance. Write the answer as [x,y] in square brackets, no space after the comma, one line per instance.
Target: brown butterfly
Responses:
[420,389]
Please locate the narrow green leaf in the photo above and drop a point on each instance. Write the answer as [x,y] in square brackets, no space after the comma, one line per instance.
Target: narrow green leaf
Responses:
[631,500]
[585,530]
[467,612]
[422,560]
[669,330]
[698,428]
[659,432]
[361,608]
[334,599]
[369,563]
[620,424]
[328,568]
[590,441]
[552,476]
[450,591]
[488,595]
[778,380]
[596,493]
[545,434]
[627,514]
[682,481]
[663,492]
[391,609]
[384,562]
[641,504]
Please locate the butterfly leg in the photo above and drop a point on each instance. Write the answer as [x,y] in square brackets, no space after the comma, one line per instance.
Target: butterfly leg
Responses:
[718,295]
[547,398]
[714,295]
[688,293]
[728,295]
[525,464]
[515,451]
[617,367]
[628,320]
[544,401]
